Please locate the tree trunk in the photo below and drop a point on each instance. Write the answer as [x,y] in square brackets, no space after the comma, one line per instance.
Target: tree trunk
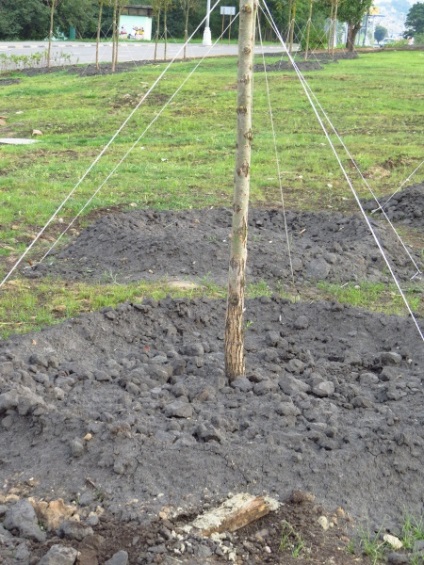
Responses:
[308,28]
[49,49]
[290,4]
[166,33]
[352,32]
[114,35]
[292,23]
[186,32]
[334,28]
[157,37]
[99,26]
[234,323]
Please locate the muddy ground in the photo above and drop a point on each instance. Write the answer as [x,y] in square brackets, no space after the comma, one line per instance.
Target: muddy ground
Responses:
[127,415]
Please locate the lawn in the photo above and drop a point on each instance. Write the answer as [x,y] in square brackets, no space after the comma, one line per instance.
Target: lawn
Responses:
[185,158]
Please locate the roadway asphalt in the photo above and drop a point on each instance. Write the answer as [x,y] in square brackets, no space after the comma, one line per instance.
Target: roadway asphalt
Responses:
[68,52]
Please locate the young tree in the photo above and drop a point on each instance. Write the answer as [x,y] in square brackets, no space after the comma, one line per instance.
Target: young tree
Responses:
[117,6]
[234,322]
[115,36]
[380,33]
[159,7]
[352,12]
[292,21]
[166,5]
[99,29]
[187,6]
[415,20]
[332,35]
[52,5]
[308,27]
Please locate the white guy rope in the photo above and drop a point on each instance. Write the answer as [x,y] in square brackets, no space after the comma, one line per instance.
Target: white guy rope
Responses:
[307,90]
[100,155]
[113,171]
[364,180]
[277,159]
[408,178]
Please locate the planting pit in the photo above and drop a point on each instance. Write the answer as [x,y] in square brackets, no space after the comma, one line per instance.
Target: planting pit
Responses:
[126,413]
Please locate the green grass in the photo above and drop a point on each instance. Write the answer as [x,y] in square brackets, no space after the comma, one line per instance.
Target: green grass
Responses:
[186,158]
[377,297]
[291,540]
[30,305]
[377,549]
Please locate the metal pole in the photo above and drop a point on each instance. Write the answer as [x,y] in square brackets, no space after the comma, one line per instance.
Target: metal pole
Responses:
[207,36]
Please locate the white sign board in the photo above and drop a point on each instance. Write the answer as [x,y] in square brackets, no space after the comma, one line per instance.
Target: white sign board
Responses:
[227,11]
[135,27]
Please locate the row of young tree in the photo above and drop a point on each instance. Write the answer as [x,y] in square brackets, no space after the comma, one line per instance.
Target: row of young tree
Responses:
[296,19]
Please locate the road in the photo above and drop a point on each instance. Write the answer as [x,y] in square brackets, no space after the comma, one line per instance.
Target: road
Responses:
[68,52]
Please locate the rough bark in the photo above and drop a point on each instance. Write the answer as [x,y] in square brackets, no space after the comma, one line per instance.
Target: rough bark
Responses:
[352,32]
[234,330]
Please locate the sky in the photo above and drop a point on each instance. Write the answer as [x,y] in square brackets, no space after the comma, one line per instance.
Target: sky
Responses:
[394,12]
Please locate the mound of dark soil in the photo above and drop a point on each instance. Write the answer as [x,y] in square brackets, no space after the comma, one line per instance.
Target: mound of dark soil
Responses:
[195,244]
[9,81]
[314,63]
[404,207]
[129,410]
[127,413]
[284,65]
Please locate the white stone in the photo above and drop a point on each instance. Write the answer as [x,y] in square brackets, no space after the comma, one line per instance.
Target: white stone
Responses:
[393,541]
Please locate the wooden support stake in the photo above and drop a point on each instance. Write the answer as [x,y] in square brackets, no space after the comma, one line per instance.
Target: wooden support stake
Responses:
[234,513]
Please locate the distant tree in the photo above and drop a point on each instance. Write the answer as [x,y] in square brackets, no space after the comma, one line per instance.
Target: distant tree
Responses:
[23,19]
[380,33]
[352,12]
[80,14]
[415,20]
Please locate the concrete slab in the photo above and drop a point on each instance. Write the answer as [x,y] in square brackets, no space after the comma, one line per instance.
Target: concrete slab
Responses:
[16,141]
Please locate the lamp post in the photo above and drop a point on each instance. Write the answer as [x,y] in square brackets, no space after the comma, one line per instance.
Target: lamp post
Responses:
[207,37]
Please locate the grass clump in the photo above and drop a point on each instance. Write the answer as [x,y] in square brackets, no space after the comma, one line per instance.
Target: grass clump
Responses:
[377,297]
[28,305]
[291,540]
[377,546]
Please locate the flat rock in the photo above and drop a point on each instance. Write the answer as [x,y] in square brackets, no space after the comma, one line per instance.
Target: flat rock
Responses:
[22,516]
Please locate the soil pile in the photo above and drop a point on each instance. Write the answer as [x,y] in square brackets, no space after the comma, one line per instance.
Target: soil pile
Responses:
[405,207]
[194,244]
[126,413]
[130,407]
